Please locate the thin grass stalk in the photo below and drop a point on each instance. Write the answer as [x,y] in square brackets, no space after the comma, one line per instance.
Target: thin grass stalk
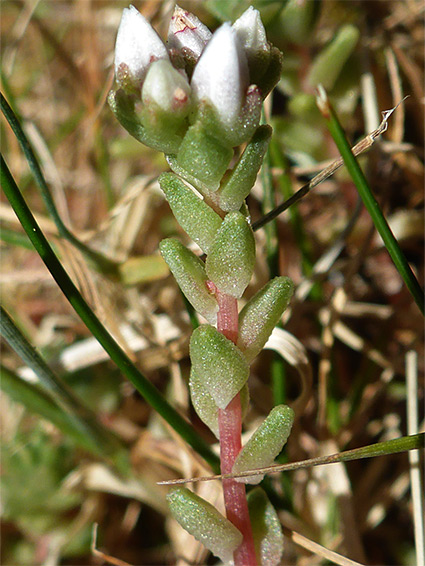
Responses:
[100,261]
[394,446]
[370,202]
[148,391]
[284,182]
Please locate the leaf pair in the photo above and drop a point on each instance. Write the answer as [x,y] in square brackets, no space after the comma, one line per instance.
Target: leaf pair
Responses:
[219,535]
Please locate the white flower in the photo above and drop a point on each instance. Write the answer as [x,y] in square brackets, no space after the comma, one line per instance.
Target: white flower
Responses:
[137,46]
[188,32]
[221,75]
[251,33]
[167,88]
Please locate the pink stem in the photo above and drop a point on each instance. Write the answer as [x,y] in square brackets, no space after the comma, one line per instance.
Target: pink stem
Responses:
[230,427]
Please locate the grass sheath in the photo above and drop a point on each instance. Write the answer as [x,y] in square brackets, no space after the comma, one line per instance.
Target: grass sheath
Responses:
[140,382]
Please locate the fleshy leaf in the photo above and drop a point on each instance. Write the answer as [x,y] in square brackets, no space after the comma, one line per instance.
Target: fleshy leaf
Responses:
[124,108]
[219,364]
[231,258]
[266,528]
[239,183]
[265,443]
[205,406]
[195,217]
[203,155]
[261,314]
[204,522]
[190,275]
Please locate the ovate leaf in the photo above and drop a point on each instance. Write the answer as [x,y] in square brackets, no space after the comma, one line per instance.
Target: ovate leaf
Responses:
[265,444]
[261,314]
[231,258]
[190,275]
[195,217]
[204,522]
[218,364]
[266,528]
[205,406]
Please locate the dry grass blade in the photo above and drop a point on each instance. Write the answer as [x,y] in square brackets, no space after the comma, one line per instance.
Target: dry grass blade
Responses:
[362,146]
[416,477]
[393,446]
[318,549]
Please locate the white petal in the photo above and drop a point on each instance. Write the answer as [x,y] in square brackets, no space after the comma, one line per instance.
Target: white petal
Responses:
[137,44]
[187,31]
[221,75]
[250,31]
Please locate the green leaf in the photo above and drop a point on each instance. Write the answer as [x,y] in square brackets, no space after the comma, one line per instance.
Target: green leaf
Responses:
[124,108]
[240,182]
[265,444]
[218,363]
[204,156]
[328,64]
[195,217]
[190,275]
[230,262]
[297,20]
[261,314]
[205,405]
[266,528]
[143,269]
[204,522]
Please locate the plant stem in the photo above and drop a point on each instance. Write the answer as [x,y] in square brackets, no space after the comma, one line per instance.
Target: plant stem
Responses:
[230,426]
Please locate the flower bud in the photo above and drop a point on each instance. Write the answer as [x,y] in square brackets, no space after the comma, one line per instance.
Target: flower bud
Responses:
[167,89]
[251,33]
[187,33]
[220,77]
[137,46]
[264,60]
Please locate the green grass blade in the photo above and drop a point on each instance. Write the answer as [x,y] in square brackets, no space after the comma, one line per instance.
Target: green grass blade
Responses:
[143,386]
[38,401]
[15,238]
[370,202]
[57,400]
[101,262]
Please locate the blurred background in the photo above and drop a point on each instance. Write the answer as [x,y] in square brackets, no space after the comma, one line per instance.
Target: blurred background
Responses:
[352,314]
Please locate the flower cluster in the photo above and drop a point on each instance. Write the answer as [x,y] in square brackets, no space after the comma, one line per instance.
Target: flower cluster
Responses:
[199,95]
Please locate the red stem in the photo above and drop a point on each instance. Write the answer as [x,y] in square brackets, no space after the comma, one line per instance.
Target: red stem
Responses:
[230,427]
